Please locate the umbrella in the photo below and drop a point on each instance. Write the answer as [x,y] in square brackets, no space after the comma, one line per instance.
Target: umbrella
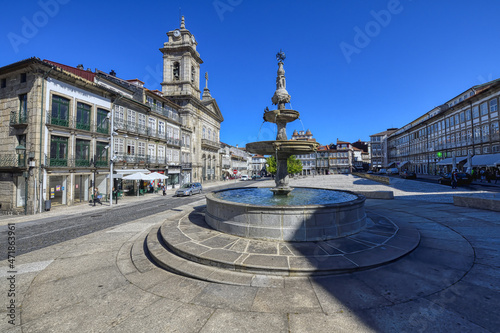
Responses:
[157,175]
[138,176]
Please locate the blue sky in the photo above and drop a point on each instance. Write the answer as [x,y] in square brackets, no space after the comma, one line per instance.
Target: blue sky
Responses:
[353,68]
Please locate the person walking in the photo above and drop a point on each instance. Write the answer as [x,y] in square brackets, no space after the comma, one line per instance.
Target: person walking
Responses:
[454,179]
[164,187]
[483,175]
[497,175]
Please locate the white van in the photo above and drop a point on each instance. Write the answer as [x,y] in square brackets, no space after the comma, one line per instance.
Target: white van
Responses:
[244,177]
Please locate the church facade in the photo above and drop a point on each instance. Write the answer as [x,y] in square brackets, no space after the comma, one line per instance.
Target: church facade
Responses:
[200,116]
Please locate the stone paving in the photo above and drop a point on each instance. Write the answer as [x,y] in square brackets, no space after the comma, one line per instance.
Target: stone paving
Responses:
[448,283]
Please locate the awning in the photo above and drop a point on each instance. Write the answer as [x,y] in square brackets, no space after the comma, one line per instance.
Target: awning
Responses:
[449,160]
[489,160]
[402,163]
[130,171]
[391,164]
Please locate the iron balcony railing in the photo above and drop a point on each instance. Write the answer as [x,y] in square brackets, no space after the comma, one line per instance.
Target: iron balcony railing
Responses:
[18,118]
[72,122]
[12,161]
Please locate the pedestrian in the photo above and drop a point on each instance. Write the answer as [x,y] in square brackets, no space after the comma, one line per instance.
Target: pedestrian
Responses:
[164,190]
[97,196]
[454,179]
[488,175]
[497,175]
[483,174]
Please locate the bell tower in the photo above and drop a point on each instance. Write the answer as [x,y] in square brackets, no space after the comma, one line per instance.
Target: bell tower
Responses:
[181,64]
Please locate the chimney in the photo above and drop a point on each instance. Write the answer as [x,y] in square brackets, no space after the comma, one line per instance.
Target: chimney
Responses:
[79,66]
[112,73]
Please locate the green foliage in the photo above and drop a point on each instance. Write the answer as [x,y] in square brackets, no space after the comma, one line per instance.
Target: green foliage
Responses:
[293,165]
[271,165]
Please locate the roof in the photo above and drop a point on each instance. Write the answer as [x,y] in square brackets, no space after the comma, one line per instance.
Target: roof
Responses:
[86,74]
[388,132]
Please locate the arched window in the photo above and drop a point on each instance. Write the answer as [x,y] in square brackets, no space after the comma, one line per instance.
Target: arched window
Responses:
[209,134]
[204,133]
[176,71]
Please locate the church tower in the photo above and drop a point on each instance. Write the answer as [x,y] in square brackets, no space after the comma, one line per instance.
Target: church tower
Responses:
[181,64]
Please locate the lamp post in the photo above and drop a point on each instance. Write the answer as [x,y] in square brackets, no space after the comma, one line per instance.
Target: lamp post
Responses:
[21,151]
[93,163]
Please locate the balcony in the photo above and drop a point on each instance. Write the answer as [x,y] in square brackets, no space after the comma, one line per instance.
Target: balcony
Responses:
[208,144]
[18,119]
[12,161]
[174,142]
[57,121]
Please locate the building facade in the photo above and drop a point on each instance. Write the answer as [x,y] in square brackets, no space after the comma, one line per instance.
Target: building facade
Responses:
[62,121]
[200,117]
[379,151]
[465,126]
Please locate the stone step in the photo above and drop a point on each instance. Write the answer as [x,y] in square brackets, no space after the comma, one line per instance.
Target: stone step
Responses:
[188,246]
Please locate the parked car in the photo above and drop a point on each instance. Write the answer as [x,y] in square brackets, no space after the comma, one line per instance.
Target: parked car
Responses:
[382,171]
[408,174]
[244,177]
[462,179]
[189,189]
[369,172]
[256,177]
[392,171]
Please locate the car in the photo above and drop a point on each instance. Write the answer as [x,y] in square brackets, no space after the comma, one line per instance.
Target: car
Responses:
[392,171]
[382,171]
[369,172]
[255,177]
[189,189]
[462,179]
[244,177]
[408,174]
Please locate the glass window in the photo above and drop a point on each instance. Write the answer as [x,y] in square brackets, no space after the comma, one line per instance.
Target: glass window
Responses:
[475,111]
[462,117]
[484,108]
[101,154]
[141,147]
[102,121]
[58,151]
[60,111]
[452,121]
[467,114]
[493,105]
[83,116]
[82,152]
[130,147]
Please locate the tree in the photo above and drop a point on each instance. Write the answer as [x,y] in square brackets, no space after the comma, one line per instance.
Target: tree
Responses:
[271,165]
[293,165]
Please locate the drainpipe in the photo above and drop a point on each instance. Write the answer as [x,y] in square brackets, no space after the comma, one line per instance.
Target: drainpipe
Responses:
[41,130]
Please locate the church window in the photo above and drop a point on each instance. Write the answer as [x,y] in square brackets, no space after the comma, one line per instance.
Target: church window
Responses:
[192,74]
[176,70]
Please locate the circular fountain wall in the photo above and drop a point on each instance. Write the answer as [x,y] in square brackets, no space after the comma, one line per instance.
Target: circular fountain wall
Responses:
[308,214]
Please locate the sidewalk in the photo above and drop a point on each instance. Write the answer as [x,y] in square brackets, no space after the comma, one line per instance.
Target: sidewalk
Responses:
[85,207]
[103,282]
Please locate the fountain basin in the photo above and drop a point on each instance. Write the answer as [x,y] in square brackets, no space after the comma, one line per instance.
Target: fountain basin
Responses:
[284,115]
[282,147]
[301,223]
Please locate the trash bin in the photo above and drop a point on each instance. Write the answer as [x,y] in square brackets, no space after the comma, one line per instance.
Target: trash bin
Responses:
[47,205]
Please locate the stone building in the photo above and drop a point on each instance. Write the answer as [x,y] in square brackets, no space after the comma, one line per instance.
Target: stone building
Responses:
[60,122]
[308,160]
[466,125]
[200,117]
[378,143]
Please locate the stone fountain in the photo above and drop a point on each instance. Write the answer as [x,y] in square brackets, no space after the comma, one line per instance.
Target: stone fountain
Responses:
[251,236]
[281,148]
[248,212]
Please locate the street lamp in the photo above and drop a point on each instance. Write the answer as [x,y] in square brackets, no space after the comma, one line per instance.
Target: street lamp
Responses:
[21,151]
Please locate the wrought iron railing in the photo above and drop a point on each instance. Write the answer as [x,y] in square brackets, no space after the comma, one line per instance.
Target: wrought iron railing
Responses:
[12,161]
[19,118]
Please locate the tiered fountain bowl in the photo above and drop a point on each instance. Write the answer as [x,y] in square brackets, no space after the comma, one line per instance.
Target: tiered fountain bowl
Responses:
[286,214]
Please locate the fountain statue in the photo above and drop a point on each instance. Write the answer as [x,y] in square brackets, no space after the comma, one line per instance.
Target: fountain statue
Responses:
[284,213]
[281,148]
